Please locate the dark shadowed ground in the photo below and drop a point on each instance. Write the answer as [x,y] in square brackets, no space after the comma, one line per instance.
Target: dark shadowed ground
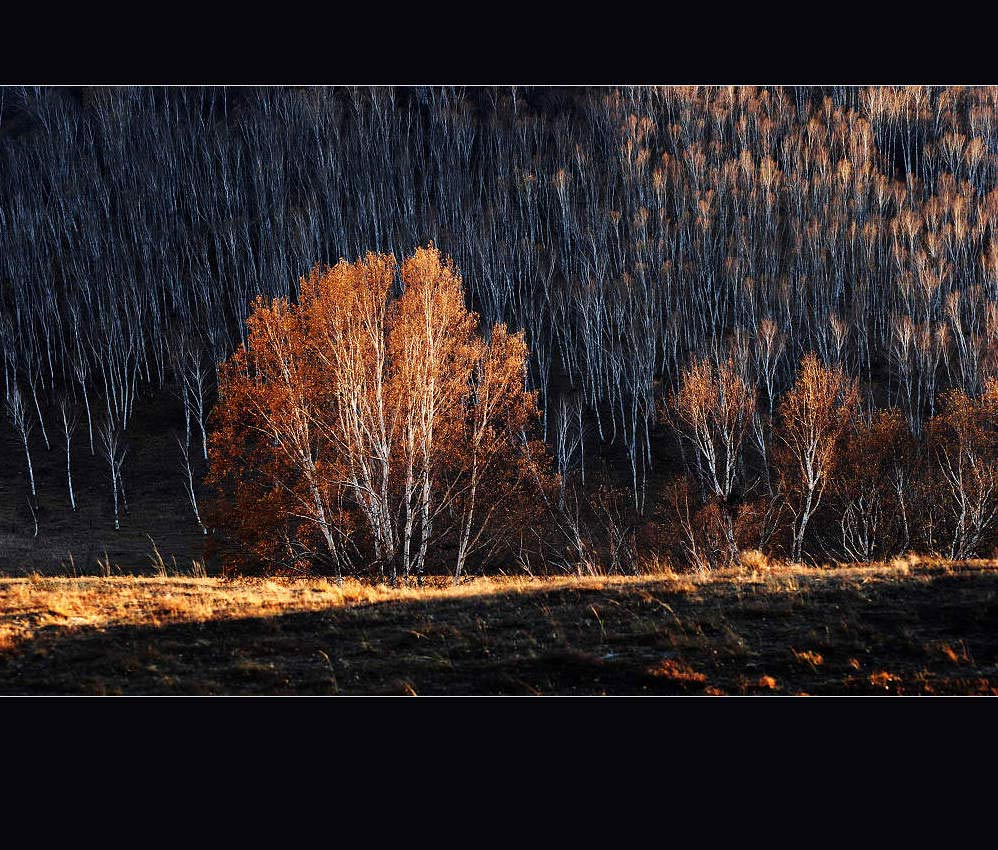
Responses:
[888,630]
[71,543]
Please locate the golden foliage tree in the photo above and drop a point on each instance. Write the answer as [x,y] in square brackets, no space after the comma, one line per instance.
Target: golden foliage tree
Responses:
[712,413]
[814,417]
[361,427]
[964,443]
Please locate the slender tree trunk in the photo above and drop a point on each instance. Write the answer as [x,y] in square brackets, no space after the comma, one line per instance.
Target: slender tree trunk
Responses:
[31,470]
[41,421]
[114,488]
[90,423]
[69,478]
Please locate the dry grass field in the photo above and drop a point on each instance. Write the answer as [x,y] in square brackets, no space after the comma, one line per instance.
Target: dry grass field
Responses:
[908,627]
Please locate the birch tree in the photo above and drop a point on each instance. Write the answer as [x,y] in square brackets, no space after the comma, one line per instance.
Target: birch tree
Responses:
[70,420]
[712,413]
[374,420]
[113,450]
[23,424]
[813,418]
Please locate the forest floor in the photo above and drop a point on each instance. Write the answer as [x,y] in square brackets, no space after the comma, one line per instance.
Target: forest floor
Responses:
[52,539]
[908,627]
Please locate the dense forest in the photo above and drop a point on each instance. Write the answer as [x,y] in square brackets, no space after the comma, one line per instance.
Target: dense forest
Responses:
[716,285]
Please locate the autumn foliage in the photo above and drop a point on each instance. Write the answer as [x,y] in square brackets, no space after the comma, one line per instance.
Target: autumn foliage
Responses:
[371,427]
[815,416]
[712,414]
[830,478]
[963,441]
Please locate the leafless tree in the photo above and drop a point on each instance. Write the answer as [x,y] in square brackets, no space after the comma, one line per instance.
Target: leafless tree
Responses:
[23,424]
[113,450]
[189,485]
[70,420]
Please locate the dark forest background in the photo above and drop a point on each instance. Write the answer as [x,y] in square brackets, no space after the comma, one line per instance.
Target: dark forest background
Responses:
[627,231]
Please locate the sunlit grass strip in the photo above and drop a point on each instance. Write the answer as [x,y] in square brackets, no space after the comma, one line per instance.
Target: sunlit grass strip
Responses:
[28,605]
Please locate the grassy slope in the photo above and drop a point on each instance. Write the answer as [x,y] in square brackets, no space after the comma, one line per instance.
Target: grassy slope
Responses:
[901,628]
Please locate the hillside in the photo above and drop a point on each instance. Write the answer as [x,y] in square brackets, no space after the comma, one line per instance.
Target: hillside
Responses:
[499,390]
[627,231]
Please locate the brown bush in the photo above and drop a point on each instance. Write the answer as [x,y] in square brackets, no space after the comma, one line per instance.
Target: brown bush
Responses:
[872,488]
[963,474]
